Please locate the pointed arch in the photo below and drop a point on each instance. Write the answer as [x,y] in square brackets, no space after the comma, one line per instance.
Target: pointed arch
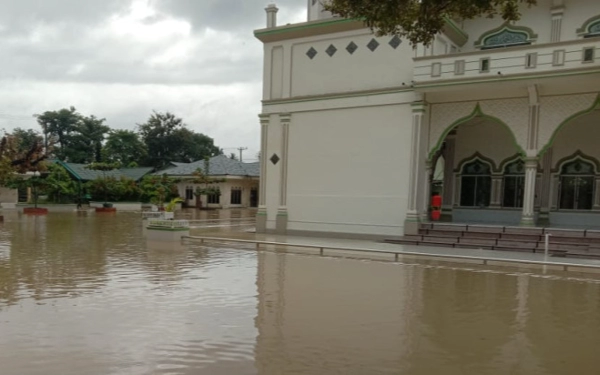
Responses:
[506,35]
[568,120]
[477,113]
[591,27]
[577,155]
[511,159]
[473,158]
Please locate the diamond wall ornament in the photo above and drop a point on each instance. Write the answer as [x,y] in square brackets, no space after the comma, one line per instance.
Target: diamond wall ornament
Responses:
[373,44]
[351,48]
[311,53]
[274,159]
[331,50]
[395,42]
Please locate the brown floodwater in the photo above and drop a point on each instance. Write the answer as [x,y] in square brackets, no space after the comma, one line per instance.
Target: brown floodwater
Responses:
[85,294]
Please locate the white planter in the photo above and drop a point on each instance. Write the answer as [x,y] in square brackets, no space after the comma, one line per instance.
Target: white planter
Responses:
[168,215]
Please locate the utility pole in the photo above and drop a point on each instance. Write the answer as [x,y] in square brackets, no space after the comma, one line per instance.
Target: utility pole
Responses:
[241,149]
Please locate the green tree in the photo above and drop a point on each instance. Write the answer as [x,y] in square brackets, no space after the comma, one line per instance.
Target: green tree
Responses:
[58,127]
[420,20]
[158,189]
[25,139]
[85,144]
[233,156]
[106,185]
[167,139]
[125,147]
[59,185]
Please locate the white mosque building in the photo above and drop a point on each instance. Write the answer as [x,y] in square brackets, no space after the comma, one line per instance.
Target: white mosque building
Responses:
[502,119]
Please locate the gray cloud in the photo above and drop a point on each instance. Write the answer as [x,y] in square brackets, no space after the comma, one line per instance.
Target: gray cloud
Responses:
[121,59]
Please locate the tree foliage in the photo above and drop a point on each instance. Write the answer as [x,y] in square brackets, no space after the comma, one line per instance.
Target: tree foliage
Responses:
[75,138]
[168,139]
[58,184]
[125,147]
[158,189]
[420,20]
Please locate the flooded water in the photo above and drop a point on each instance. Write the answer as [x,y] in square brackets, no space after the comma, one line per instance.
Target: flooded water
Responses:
[85,294]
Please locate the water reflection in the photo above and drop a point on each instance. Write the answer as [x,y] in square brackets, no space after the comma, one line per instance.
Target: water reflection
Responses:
[85,294]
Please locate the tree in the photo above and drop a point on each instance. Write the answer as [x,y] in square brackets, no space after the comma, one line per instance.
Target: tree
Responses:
[158,189]
[104,184]
[57,127]
[85,144]
[25,139]
[233,156]
[59,184]
[167,139]
[420,20]
[125,147]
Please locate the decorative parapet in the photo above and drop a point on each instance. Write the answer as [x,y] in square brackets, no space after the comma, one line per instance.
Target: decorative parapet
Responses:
[168,225]
[152,215]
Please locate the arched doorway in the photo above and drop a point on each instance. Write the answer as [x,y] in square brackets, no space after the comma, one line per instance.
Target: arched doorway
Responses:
[576,187]
[472,185]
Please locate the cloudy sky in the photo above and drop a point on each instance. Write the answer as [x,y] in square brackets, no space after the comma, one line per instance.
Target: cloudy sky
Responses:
[121,59]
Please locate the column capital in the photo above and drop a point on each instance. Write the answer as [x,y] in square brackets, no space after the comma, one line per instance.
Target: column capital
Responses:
[531,162]
[264,118]
[285,118]
[557,11]
[419,107]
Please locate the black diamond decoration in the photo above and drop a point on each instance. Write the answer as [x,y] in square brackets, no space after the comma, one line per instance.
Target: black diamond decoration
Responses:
[351,48]
[331,50]
[311,53]
[274,159]
[373,44]
[395,42]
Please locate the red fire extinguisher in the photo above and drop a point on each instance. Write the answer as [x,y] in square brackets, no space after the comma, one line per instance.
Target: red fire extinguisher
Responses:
[436,207]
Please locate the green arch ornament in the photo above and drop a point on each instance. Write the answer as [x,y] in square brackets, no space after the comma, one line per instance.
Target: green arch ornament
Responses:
[590,27]
[477,112]
[595,105]
[506,35]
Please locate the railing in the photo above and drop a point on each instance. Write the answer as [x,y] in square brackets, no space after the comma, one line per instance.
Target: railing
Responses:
[498,63]
[168,224]
[152,215]
[489,261]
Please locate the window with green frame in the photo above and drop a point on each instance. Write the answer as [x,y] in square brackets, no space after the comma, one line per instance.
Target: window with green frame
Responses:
[476,184]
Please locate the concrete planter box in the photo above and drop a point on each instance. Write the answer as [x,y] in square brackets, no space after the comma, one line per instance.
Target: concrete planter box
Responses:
[161,230]
[106,209]
[168,215]
[35,211]
[121,206]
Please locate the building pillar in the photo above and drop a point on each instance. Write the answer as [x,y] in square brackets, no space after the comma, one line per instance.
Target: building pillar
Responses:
[282,211]
[528,216]
[557,11]
[531,160]
[448,193]
[546,188]
[596,206]
[427,192]
[496,193]
[261,215]
[417,169]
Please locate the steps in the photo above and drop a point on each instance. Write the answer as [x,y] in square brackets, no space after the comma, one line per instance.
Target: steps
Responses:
[563,242]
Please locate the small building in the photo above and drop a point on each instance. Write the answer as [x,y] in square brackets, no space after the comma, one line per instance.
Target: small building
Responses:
[238,182]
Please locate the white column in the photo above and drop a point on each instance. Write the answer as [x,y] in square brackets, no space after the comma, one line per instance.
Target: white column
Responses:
[271,10]
[417,169]
[531,161]
[261,216]
[448,194]
[282,211]
[546,188]
[556,12]
[596,194]
[427,192]
[496,193]
[528,216]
